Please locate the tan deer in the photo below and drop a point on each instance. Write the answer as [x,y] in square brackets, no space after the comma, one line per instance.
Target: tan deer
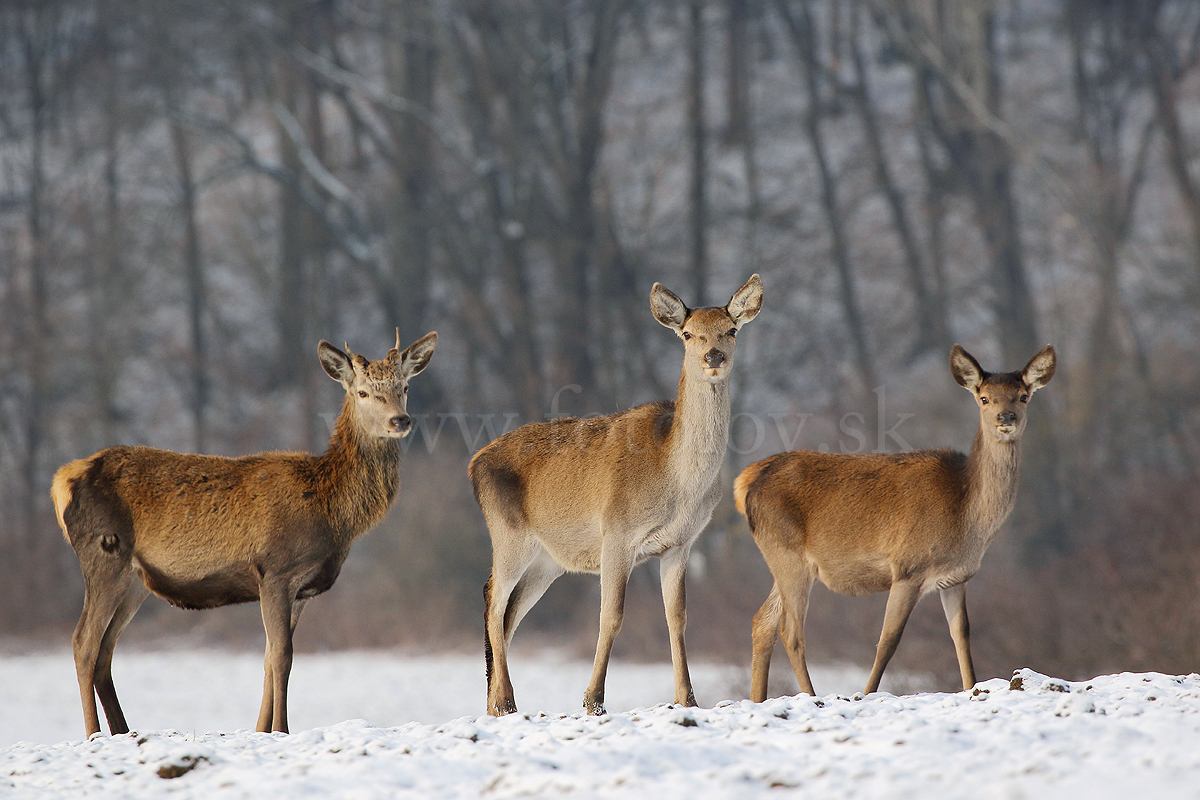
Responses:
[205,531]
[907,523]
[603,494]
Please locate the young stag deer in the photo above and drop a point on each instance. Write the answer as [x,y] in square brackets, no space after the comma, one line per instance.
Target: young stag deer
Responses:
[205,531]
[907,523]
[603,494]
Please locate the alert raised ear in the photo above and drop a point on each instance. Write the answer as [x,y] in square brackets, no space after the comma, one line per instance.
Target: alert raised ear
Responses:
[667,308]
[1040,369]
[336,363]
[746,301]
[966,369]
[417,356]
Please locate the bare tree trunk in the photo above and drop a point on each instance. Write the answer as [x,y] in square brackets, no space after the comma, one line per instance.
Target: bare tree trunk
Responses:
[1165,71]
[579,320]
[411,61]
[108,292]
[954,45]
[804,37]
[698,137]
[197,301]
[34,34]
[931,318]
[740,130]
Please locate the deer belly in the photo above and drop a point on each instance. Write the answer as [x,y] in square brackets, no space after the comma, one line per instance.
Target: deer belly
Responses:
[575,549]
[856,576]
[200,586]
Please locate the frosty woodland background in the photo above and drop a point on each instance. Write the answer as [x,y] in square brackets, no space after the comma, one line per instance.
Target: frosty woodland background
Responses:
[193,193]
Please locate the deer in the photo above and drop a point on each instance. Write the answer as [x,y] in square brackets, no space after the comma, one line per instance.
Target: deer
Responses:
[203,531]
[905,523]
[603,494]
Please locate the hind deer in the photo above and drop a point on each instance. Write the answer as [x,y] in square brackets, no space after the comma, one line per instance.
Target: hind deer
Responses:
[907,523]
[206,531]
[603,494]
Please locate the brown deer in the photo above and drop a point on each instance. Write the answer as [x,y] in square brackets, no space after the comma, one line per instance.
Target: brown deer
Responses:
[603,494]
[907,523]
[205,531]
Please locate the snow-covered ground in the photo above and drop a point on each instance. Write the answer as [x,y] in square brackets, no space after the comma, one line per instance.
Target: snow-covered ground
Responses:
[1119,736]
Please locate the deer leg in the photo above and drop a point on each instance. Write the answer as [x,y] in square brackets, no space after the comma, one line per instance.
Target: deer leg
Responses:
[901,599]
[103,593]
[135,595]
[954,603]
[794,603]
[275,600]
[615,565]
[762,635]
[672,572]
[507,573]
[529,589]
[266,710]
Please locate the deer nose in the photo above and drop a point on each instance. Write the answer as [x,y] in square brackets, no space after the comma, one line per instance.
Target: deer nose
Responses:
[401,423]
[1006,418]
[714,358]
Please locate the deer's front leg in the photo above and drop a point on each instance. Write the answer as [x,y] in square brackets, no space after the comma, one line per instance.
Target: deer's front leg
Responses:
[275,601]
[615,565]
[672,574]
[954,603]
[901,599]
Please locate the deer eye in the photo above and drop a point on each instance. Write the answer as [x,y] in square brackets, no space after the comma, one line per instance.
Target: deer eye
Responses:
[406,390]
[362,394]
[687,336]
[732,332]
[1024,398]
[984,401]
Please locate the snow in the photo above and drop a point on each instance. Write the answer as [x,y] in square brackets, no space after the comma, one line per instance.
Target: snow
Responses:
[1114,736]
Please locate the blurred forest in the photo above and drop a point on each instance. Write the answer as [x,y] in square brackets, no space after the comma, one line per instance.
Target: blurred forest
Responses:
[194,192]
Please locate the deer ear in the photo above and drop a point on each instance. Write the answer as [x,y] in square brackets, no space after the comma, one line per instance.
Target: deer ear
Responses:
[668,309]
[966,369]
[336,363]
[746,301]
[417,356]
[1040,369]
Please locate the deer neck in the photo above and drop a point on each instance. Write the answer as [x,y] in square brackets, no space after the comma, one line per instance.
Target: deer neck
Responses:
[699,431]
[360,475]
[992,469]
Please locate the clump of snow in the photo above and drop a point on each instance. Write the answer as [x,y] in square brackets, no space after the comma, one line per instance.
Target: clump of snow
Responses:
[1033,736]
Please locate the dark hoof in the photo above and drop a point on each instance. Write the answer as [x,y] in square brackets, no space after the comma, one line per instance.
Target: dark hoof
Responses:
[508,706]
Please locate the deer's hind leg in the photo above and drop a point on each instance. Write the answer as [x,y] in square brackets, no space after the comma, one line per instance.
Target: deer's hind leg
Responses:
[135,595]
[794,591]
[763,633]
[106,576]
[784,611]
[507,597]
[529,589]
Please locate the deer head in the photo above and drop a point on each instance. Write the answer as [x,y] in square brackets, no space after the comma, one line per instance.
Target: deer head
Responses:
[1003,397]
[379,389]
[709,334]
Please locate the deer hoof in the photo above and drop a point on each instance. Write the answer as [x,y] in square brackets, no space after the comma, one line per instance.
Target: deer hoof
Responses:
[505,706]
[594,708]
